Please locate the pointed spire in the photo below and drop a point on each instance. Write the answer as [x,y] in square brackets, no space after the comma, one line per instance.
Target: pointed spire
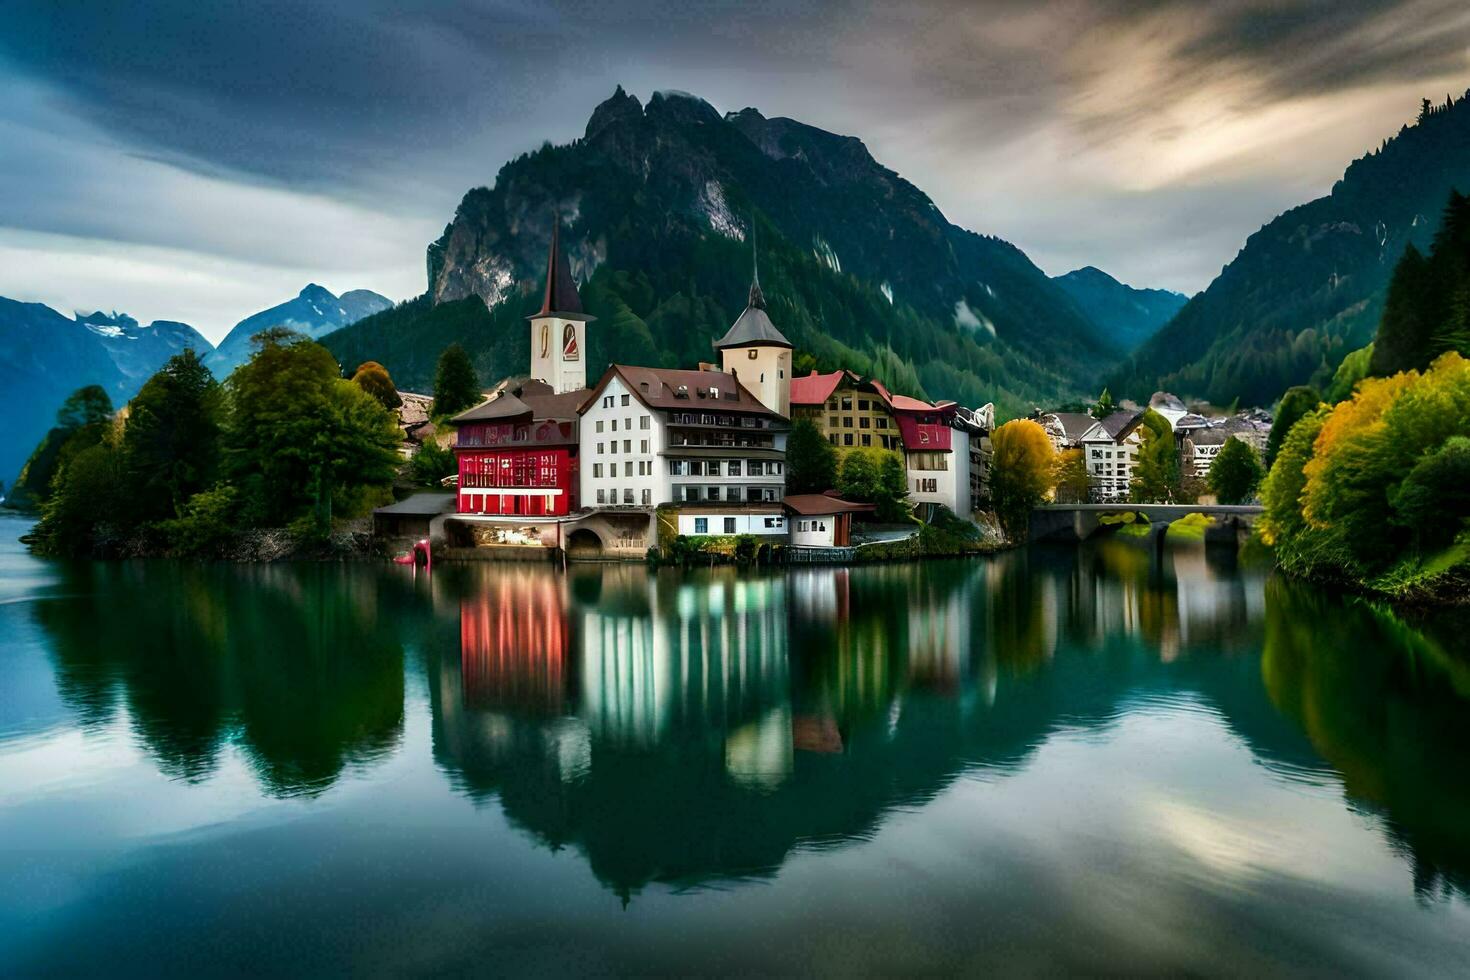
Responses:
[757,298]
[561,291]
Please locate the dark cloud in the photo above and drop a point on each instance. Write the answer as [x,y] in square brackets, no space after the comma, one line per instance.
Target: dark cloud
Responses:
[1144,137]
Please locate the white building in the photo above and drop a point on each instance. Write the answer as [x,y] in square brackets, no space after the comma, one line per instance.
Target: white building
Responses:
[1110,448]
[652,436]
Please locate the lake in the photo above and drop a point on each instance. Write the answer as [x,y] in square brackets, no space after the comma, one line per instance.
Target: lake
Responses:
[1088,759]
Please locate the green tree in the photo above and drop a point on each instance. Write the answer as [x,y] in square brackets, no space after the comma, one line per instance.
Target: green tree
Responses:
[1297,401]
[373,378]
[893,489]
[455,386]
[1104,406]
[811,460]
[1409,317]
[1434,500]
[80,422]
[300,437]
[1156,476]
[857,476]
[1022,470]
[1235,473]
[431,464]
[1354,368]
[75,517]
[171,444]
[1281,492]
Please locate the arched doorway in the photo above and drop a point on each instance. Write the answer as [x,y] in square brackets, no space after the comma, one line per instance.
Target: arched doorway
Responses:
[583,543]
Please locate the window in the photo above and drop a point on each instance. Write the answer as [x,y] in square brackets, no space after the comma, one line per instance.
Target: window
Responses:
[862,404]
[628,468]
[832,438]
[732,494]
[832,422]
[625,399]
[763,374]
[773,469]
[615,425]
[602,496]
[691,493]
[599,425]
[701,525]
[864,422]
[627,495]
[596,471]
[647,496]
[643,446]
[847,439]
[847,404]
[714,391]
[643,422]
[753,467]
[773,522]
[607,402]
[628,423]
[599,449]
[734,469]
[627,445]
[801,526]
[867,439]
[882,422]
[753,354]
[729,525]
[847,421]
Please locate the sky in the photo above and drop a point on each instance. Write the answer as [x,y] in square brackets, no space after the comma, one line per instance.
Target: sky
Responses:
[202,161]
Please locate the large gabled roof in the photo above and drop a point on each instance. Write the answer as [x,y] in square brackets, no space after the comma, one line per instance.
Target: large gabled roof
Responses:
[681,390]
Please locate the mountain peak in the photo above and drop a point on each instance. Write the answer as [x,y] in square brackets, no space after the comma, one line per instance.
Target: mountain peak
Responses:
[311,291]
[617,108]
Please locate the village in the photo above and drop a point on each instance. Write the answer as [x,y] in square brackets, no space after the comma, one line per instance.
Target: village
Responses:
[642,457]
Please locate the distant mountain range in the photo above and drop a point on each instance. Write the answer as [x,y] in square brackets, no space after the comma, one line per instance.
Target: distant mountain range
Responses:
[1127,315]
[45,356]
[658,204]
[1309,287]
[314,312]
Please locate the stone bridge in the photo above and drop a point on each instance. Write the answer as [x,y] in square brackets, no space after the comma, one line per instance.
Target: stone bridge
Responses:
[1077,522]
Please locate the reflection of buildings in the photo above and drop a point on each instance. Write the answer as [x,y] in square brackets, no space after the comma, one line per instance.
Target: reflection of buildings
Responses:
[514,644]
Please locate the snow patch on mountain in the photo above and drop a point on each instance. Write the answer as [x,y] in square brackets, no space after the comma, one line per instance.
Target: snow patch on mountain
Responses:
[969,319]
[715,209]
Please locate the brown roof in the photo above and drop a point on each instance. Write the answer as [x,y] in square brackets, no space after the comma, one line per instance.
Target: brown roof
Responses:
[530,399]
[818,504]
[681,390]
[561,297]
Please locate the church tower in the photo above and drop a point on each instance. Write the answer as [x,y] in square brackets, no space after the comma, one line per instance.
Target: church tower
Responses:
[756,352]
[559,330]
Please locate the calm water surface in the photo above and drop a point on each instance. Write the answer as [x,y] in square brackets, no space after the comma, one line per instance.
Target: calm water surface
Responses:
[1086,759]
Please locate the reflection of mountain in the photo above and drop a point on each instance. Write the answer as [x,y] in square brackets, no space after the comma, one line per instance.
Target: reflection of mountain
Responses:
[713,723]
[291,666]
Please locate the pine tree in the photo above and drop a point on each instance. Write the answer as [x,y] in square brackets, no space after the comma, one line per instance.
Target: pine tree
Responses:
[1406,328]
[455,386]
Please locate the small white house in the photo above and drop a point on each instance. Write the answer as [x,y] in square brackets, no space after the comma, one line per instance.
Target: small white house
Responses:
[819,520]
[1110,448]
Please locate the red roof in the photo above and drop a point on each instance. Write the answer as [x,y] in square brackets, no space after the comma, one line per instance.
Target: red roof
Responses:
[814,389]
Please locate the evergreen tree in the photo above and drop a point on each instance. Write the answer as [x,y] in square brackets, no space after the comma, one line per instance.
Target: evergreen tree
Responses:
[1297,401]
[80,422]
[811,461]
[456,387]
[171,445]
[1235,473]
[1104,406]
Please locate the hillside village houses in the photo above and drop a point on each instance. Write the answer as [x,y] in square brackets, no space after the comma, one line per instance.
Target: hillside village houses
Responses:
[1110,445]
[547,461]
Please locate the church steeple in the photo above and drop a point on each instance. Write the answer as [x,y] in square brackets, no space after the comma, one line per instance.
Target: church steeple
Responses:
[753,350]
[561,291]
[559,330]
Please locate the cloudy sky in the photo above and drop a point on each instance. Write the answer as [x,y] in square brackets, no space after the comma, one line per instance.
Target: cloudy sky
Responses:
[200,161]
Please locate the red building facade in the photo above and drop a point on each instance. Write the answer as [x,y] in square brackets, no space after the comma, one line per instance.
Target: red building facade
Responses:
[517,454]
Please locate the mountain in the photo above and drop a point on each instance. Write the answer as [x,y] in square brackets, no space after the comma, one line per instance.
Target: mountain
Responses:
[45,356]
[658,204]
[1127,315]
[314,312]
[1309,287]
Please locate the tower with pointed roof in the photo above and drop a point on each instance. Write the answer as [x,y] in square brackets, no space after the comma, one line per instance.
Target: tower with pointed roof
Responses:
[559,329]
[756,352]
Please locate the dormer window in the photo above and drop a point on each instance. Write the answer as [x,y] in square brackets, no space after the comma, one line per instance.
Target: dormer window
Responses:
[714,391]
[753,354]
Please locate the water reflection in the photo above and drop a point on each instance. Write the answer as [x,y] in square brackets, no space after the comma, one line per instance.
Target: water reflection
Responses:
[699,728]
[289,663]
